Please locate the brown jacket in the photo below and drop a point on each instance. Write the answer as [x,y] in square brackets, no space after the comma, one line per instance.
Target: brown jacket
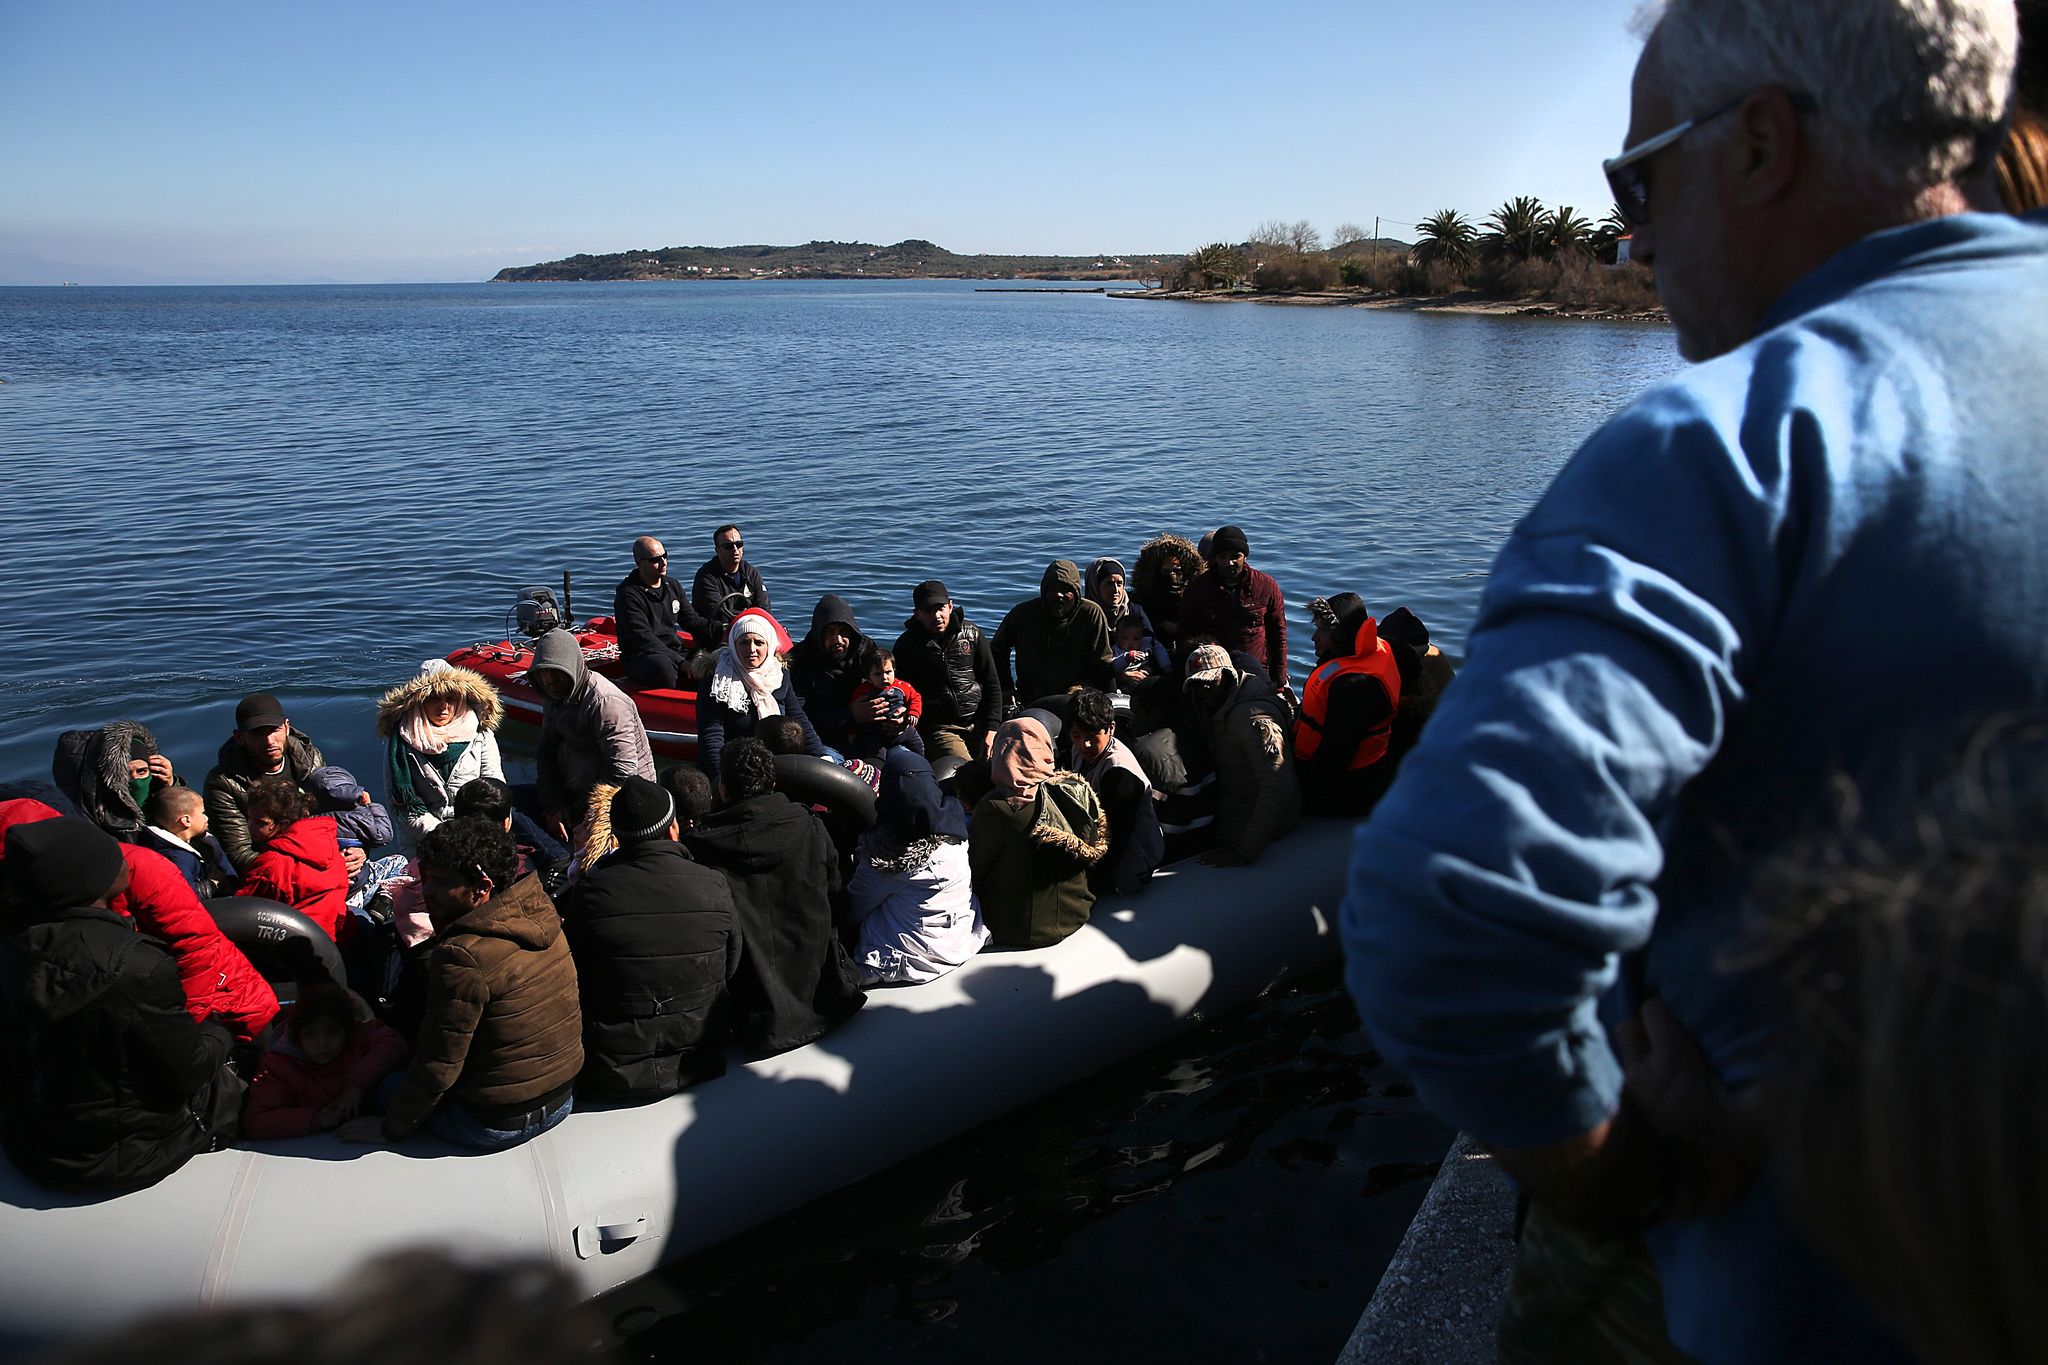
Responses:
[1257,797]
[502,1027]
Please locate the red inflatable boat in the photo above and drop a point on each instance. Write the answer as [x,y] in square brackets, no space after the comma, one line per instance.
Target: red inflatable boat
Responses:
[669,715]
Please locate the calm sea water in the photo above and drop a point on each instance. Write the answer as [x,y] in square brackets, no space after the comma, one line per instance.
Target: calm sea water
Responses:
[309,490]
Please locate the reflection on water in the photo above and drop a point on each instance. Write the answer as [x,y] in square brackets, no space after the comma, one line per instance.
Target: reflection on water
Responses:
[1232,1195]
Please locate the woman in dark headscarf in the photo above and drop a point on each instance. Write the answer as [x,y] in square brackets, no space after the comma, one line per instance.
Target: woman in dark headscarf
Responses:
[1034,837]
[912,892]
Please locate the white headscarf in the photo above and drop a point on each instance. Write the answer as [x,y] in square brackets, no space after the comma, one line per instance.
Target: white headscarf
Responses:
[739,690]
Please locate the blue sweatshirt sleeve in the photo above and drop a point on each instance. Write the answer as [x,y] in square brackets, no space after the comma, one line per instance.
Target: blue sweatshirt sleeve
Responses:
[1496,886]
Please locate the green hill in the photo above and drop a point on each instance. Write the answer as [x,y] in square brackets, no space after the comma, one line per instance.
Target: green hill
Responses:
[912,259]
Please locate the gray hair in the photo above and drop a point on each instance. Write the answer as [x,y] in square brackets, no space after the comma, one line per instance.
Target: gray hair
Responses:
[1912,93]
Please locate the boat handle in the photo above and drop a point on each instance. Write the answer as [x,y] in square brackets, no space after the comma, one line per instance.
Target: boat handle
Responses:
[602,1239]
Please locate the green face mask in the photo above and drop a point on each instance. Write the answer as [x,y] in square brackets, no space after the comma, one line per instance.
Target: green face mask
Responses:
[140,786]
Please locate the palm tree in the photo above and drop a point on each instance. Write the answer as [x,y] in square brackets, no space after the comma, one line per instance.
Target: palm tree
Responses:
[1449,237]
[1568,233]
[1219,265]
[1517,229]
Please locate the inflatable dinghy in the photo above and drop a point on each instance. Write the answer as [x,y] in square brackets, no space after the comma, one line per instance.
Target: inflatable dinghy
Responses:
[610,1194]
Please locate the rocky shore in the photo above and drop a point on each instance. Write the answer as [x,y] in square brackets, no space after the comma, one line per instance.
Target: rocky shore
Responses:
[1470,302]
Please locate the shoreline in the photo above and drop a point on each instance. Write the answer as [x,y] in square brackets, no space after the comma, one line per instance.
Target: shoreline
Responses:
[1470,303]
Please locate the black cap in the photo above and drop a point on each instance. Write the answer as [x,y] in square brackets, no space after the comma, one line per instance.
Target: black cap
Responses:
[930,593]
[62,863]
[259,711]
[1229,540]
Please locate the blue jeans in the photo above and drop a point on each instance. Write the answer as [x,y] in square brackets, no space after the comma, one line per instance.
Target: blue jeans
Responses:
[453,1122]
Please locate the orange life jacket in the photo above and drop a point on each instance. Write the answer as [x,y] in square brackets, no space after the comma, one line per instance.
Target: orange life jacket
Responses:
[1370,656]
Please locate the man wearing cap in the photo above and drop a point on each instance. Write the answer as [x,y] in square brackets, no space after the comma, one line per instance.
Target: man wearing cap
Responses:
[947,658]
[1696,632]
[1237,606]
[656,944]
[1257,797]
[649,608]
[263,745]
[107,1082]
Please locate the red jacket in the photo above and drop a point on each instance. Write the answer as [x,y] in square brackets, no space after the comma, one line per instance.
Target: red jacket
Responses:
[303,868]
[289,1092]
[217,979]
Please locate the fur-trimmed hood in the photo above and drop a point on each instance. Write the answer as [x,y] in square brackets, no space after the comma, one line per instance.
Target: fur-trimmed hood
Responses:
[1069,818]
[460,684]
[1147,579]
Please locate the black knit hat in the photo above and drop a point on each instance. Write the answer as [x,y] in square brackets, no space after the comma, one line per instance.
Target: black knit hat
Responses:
[1229,540]
[60,864]
[641,810]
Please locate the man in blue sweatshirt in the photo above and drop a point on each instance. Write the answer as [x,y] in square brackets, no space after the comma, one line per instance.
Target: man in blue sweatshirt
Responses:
[1722,602]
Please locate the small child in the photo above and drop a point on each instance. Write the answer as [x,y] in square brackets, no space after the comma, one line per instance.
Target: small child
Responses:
[324,1070]
[298,856]
[360,823]
[174,824]
[1137,656]
[902,707]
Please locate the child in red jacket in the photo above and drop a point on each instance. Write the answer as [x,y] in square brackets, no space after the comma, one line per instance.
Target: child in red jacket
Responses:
[901,707]
[298,859]
[324,1070]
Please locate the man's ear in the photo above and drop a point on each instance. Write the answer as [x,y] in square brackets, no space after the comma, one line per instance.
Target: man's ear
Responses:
[1770,140]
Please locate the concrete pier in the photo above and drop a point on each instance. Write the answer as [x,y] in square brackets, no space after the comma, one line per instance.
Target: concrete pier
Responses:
[1437,1302]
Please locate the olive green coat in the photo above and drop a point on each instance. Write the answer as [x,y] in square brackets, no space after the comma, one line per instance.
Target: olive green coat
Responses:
[1031,862]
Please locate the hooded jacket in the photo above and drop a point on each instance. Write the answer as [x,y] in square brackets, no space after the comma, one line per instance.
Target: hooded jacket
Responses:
[302,867]
[337,794]
[227,788]
[502,1030]
[420,788]
[795,979]
[594,735]
[912,893]
[1151,590]
[216,978]
[106,1082]
[1031,861]
[91,767]
[1257,797]
[288,1093]
[954,671]
[827,684]
[657,943]
[1054,652]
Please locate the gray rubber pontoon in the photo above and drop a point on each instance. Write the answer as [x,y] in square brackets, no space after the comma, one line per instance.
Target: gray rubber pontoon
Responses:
[610,1194]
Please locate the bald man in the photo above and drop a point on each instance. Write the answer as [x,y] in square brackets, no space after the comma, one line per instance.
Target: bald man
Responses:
[650,607]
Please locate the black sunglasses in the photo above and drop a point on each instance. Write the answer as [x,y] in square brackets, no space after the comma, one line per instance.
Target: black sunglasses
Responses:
[654,559]
[1628,175]
[730,544]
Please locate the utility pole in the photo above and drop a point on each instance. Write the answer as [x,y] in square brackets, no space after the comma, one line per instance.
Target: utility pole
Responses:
[1375,239]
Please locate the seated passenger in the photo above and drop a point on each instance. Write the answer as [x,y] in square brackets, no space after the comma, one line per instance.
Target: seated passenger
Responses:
[110,772]
[1060,639]
[1136,658]
[1238,605]
[499,1047]
[912,892]
[1257,797]
[359,822]
[649,609]
[174,825]
[656,943]
[726,586]
[263,745]
[298,859]
[947,658]
[590,732]
[106,1082]
[795,979]
[889,708]
[1348,706]
[826,667]
[1425,673]
[694,796]
[439,733]
[749,684]
[781,734]
[1166,565]
[1136,843]
[1033,839]
[324,1071]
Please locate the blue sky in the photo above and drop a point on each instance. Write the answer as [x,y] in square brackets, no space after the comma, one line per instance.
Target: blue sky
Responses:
[228,140]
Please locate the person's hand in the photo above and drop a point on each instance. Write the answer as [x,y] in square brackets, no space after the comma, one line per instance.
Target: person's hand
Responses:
[1716,1137]
[1135,675]
[362,798]
[159,767]
[986,743]
[353,859]
[556,822]
[870,708]
[1223,855]
[368,1130]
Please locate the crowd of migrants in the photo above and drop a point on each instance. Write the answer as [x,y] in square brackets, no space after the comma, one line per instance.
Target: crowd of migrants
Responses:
[609,933]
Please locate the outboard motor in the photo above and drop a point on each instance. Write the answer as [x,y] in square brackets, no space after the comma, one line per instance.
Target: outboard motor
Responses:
[537,612]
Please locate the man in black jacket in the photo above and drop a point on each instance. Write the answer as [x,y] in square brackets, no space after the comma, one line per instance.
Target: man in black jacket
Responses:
[726,584]
[106,1081]
[656,943]
[947,659]
[826,666]
[795,979]
[650,607]
[1059,637]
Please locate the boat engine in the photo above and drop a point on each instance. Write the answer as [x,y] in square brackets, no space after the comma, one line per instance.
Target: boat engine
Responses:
[535,612]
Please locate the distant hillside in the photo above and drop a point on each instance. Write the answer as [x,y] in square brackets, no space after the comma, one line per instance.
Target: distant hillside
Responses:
[913,259]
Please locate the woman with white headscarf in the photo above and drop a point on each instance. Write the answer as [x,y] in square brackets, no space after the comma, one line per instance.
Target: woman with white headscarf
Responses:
[749,684]
[1033,839]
